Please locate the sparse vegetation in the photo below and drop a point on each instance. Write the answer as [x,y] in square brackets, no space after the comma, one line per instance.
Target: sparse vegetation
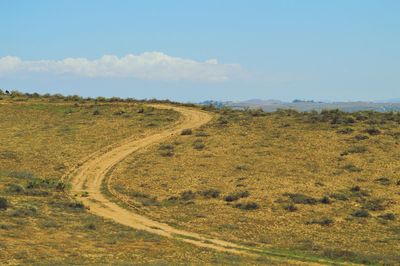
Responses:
[247,206]
[322,222]
[236,196]
[360,213]
[186,132]
[210,193]
[298,198]
[266,154]
[3,203]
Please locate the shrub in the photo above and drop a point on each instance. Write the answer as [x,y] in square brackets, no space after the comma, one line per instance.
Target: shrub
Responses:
[3,203]
[383,181]
[76,205]
[198,145]
[360,213]
[247,206]
[210,193]
[21,175]
[322,222]
[186,132]
[388,216]
[188,195]
[15,188]
[325,200]
[375,205]
[166,150]
[361,137]
[237,195]
[355,149]
[346,130]
[166,147]
[47,184]
[339,196]
[25,210]
[298,198]
[242,167]
[90,226]
[290,207]
[201,134]
[372,131]
[352,168]
[10,155]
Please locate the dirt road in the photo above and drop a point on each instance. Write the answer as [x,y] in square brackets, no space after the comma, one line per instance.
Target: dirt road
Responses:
[90,174]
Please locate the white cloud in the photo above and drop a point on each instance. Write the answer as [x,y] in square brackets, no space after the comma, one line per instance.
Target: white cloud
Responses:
[148,66]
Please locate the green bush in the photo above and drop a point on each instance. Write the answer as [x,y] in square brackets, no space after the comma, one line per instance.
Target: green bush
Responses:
[339,196]
[325,200]
[322,222]
[375,205]
[186,132]
[90,226]
[298,198]
[25,210]
[3,203]
[346,130]
[201,134]
[22,175]
[290,207]
[198,145]
[383,181]
[355,149]
[210,193]
[388,216]
[166,150]
[237,195]
[360,213]
[352,168]
[247,206]
[188,195]
[361,137]
[76,205]
[372,131]
[15,188]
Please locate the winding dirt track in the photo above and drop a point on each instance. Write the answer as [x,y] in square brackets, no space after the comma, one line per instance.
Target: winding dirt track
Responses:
[90,174]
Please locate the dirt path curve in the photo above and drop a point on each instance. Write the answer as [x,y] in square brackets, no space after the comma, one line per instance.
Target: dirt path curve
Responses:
[89,175]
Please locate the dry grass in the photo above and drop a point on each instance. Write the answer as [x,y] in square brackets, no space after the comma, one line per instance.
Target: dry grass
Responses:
[300,170]
[39,142]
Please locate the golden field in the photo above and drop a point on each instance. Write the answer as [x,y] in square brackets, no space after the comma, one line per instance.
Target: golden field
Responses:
[296,185]
[40,139]
[319,184]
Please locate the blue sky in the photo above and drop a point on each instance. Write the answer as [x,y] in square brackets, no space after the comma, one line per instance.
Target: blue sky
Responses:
[209,49]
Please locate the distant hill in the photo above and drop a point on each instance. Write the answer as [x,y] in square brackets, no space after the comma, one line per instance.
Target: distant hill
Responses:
[301,105]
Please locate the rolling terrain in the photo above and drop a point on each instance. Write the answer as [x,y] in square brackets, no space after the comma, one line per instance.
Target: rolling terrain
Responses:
[99,181]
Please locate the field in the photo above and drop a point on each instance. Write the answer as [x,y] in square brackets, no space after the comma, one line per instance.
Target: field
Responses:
[323,184]
[296,185]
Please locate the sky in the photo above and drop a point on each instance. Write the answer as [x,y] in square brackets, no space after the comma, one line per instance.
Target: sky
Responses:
[342,50]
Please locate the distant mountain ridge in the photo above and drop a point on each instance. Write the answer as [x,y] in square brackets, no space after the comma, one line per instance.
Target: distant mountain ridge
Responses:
[309,105]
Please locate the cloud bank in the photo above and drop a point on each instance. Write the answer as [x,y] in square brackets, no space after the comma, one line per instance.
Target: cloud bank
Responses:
[146,66]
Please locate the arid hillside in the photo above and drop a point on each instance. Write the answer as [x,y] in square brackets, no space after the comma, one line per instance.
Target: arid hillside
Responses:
[325,184]
[247,187]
